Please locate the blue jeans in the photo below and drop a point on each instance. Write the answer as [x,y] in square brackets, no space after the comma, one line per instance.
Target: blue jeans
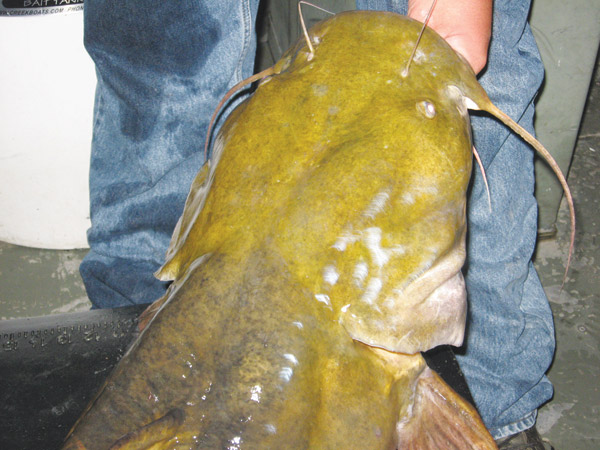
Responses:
[162,68]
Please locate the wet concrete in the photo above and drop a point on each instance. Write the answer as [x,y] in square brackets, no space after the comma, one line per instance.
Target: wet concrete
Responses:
[37,282]
[571,419]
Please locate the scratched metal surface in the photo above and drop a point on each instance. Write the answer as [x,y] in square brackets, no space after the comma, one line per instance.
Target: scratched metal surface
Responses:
[51,367]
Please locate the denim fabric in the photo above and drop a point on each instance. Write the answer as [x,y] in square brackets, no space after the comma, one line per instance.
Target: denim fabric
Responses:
[162,68]
[510,331]
[510,334]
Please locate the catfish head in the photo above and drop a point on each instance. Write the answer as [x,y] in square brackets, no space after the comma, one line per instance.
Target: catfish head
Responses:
[357,178]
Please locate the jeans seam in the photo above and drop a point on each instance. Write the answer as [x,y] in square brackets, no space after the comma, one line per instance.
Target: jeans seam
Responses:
[522,424]
[246,19]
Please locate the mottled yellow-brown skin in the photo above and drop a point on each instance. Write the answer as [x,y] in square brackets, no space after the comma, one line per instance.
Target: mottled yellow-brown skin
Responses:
[320,249]
[320,141]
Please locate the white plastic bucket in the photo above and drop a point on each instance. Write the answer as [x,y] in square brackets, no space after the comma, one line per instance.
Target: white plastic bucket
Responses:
[47,83]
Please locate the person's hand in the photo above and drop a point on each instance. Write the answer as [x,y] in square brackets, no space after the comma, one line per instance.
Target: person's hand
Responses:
[465,24]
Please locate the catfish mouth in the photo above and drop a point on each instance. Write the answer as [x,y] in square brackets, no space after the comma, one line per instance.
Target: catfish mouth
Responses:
[428,312]
[442,316]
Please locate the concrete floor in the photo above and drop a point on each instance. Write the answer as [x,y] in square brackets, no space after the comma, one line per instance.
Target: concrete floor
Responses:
[571,419]
[40,282]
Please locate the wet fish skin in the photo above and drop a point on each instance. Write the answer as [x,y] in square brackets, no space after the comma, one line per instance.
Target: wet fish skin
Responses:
[317,255]
[331,136]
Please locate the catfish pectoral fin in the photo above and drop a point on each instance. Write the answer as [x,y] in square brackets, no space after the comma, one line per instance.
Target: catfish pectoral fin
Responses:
[150,436]
[440,418]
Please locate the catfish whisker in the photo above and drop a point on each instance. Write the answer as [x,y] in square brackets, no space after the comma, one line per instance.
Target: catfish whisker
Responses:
[412,55]
[487,188]
[304,30]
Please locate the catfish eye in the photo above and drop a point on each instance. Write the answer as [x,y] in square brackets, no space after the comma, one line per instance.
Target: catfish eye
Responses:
[426,108]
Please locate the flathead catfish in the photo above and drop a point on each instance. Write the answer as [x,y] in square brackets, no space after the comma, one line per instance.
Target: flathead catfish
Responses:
[318,253]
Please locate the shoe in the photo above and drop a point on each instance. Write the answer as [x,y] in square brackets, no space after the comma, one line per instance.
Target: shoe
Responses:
[529,439]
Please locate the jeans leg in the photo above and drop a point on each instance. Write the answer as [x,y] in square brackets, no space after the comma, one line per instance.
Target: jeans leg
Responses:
[510,334]
[162,67]
[397,6]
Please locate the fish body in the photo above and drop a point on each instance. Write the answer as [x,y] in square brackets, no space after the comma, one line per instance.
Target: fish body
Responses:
[318,253]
